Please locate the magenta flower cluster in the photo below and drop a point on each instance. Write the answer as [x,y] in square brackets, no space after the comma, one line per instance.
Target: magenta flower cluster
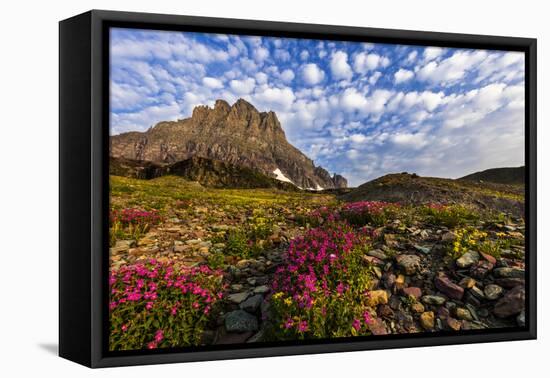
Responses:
[323,274]
[178,298]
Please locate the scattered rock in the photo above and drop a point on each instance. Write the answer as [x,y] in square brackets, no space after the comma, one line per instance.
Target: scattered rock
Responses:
[261,289]
[467,282]
[509,273]
[252,303]
[410,264]
[240,321]
[238,297]
[512,303]
[377,327]
[427,320]
[468,259]
[454,324]
[477,292]
[488,258]
[415,292]
[417,307]
[120,247]
[378,254]
[449,288]
[424,250]
[463,314]
[510,283]
[377,297]
[493,292]
[388,280]
[434,300]
[400,282]
[448,237]
[481,269]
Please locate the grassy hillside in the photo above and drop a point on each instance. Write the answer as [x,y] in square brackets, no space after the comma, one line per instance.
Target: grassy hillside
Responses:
[413,189]
[499,175]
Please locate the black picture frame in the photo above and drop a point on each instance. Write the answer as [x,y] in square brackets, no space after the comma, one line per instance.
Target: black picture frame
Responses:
[84,195]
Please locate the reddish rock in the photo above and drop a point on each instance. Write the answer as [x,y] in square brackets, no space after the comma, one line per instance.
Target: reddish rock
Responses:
[412,291]
[377,327]
[448,287]
[443,313]
[489,258]
[481,269]
[385,311]
[512,303]
[453,323]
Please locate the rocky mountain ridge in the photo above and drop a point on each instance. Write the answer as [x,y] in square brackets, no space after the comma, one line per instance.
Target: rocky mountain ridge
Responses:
[237,134]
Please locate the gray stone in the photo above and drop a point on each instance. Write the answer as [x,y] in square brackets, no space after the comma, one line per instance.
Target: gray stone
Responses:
[410,264]
[512,303]
[240,321]
[509,273]
[424,250]
[463,313]
[378,254]
[493,292]
[238,297]
[468,259]
[261,289]
[434,300]
[252,304]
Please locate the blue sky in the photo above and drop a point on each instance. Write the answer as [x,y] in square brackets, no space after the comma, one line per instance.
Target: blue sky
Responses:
[358,109]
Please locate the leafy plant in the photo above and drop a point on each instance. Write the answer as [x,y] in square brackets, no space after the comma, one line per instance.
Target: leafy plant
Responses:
[449,215]
[131,223]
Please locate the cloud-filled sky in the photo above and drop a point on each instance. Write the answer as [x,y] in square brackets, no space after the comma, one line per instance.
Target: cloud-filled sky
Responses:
[358,109]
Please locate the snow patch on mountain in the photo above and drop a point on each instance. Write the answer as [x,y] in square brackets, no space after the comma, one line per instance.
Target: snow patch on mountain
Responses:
[281,177]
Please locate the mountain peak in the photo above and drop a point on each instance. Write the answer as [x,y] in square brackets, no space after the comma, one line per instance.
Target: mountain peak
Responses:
[238,134]
[243,106]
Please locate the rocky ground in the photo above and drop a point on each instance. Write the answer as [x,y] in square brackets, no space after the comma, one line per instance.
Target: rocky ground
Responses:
[417,287]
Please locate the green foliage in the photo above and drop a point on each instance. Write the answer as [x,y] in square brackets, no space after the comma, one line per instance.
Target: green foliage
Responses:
[449,216]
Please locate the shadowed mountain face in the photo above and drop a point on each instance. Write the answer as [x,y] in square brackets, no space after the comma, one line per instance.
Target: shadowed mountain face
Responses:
[499,175]
[238,135]
[209,173]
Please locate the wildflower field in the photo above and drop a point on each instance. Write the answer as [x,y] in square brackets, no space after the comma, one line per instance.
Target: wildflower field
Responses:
[194,266]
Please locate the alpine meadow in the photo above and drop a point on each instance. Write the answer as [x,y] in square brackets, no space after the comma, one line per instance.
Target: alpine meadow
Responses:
[269,189]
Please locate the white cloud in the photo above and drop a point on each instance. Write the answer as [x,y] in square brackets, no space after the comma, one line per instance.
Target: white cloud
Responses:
[364,62]
[403,75]
[261,54]
[282,55]
[312,74]
[339,66]
[242,87]
[212,82]
[374,77]
[431,53]
[453,68]
[279,99]
[358,138]
[287,75]
[412,56]
[261,78]
[409,140]
[304,55]
[352,100]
